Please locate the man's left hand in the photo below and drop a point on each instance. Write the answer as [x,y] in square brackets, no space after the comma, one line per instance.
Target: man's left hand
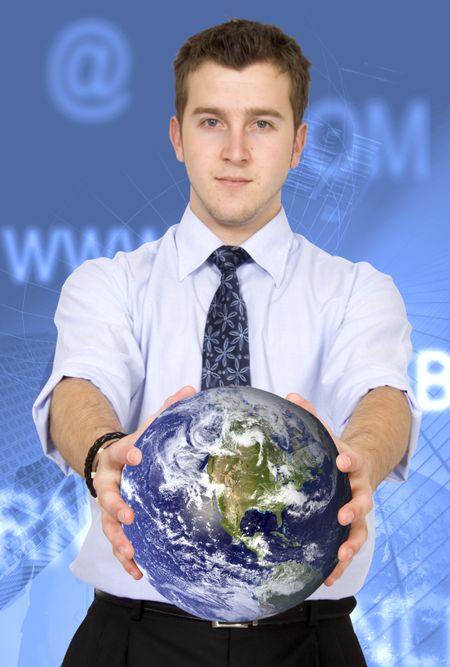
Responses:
[354,512]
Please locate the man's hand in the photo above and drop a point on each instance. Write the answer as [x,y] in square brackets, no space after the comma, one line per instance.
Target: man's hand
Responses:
[106,482]
[354,512]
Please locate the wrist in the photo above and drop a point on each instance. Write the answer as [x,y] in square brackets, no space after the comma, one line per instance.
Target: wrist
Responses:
[96,460]
[97,448]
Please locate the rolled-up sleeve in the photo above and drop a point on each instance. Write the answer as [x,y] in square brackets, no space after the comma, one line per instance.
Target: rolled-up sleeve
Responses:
[95,342]
[371,348]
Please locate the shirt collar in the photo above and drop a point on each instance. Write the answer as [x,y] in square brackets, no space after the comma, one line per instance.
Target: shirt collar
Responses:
[268,247]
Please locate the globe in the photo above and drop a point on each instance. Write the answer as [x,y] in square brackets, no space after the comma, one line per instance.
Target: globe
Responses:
[235,501]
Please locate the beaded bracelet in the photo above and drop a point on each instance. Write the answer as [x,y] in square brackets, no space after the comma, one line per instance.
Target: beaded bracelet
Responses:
[97,447]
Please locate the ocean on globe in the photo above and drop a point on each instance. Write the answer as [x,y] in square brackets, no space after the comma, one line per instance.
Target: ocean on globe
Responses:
[235,501]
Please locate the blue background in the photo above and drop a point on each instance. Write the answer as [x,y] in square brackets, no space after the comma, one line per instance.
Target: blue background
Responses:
[87,169]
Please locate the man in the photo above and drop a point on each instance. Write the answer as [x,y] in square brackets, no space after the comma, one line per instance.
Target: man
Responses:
[133,330]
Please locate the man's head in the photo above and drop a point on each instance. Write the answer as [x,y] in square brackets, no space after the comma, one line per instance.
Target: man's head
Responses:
[238,128]
[237,44]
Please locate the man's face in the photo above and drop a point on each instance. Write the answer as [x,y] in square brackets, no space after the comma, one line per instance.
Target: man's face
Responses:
[238,143]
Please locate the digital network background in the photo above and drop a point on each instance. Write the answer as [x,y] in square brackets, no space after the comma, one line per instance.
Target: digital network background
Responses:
[87,169]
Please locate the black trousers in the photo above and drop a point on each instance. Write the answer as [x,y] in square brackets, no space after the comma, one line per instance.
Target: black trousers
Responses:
[118,632]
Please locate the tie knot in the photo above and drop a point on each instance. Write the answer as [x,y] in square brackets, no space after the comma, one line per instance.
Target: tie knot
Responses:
[229,257]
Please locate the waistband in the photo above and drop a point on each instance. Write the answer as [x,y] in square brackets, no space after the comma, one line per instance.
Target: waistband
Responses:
[309,612]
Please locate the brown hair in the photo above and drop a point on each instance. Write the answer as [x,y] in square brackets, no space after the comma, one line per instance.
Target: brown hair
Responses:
[237,44]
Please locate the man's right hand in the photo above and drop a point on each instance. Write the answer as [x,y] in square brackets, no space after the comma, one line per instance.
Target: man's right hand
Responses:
[106,482]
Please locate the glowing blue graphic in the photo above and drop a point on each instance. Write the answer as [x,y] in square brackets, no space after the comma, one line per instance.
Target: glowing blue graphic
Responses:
[40,254]
[333,171]
[405,142]
[406,621]
[41,510]
[88,69]
[345,152]
[433,373]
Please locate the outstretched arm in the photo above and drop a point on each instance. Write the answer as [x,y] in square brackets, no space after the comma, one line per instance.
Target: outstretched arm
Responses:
[380,428]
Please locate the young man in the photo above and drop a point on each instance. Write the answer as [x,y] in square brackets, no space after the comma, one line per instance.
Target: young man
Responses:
[133,330]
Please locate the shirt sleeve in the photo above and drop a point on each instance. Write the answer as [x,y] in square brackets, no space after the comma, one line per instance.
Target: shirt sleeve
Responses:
[95,342]
[371,348]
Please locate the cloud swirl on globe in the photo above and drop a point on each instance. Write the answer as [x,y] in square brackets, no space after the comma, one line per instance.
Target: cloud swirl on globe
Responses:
[235,501]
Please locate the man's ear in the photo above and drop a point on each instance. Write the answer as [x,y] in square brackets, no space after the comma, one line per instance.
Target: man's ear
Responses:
[175,138]
[299,144]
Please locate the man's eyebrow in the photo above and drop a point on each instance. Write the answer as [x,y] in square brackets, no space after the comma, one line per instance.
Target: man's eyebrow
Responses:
[253,111]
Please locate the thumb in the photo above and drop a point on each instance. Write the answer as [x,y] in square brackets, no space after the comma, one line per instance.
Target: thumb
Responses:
[309,407]
[179,395]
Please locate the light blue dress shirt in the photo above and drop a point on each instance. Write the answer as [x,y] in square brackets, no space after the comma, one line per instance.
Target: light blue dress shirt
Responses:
[319,325]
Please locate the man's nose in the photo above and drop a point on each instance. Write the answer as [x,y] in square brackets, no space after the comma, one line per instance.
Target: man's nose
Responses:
[236,146]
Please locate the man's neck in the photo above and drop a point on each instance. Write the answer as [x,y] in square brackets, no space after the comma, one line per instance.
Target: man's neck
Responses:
[234,235]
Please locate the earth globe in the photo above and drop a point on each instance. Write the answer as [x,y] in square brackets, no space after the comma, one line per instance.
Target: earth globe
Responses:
[235,501]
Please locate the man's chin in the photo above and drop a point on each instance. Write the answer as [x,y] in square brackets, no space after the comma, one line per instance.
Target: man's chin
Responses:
[233,218]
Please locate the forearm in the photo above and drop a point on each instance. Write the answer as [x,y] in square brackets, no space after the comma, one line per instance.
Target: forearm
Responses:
[380,429]
[79,414]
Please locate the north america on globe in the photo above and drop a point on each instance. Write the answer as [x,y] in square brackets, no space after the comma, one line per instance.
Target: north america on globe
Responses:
[235,501]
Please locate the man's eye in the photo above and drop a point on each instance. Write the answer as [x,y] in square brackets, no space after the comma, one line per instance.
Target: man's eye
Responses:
[211,122]
[262,124]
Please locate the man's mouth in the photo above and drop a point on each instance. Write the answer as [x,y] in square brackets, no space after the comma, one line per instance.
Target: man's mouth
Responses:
[233,181]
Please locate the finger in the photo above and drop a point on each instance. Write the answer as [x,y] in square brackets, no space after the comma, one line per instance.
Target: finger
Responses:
[187,390]
[115,534]
[356,538]
[301,402]
[337,572]
[355,510]
[179,395]
[112,503]
[121,546]
[348,459]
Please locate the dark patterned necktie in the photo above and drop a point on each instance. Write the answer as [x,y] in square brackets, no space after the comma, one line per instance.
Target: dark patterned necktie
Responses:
[226,357]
